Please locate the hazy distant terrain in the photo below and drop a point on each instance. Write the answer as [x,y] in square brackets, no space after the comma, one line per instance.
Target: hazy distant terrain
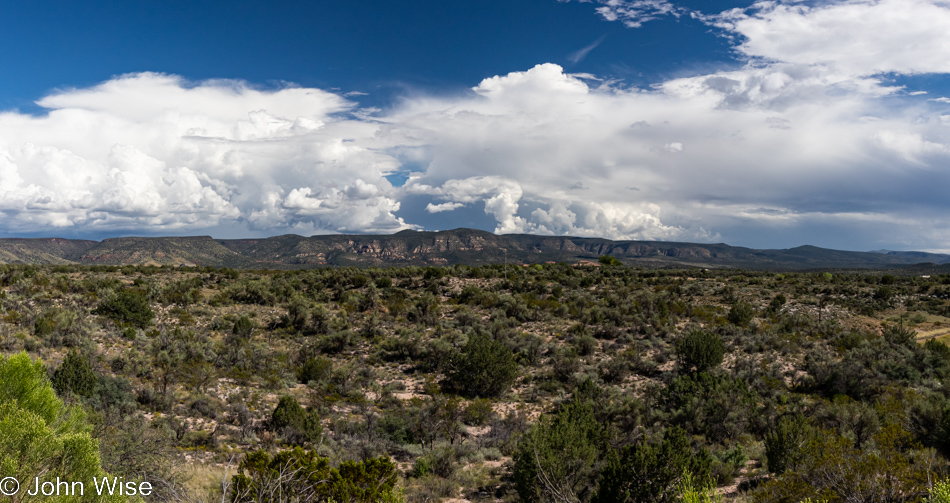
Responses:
[460,246]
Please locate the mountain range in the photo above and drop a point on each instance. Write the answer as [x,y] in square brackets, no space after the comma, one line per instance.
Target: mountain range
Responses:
[459,246]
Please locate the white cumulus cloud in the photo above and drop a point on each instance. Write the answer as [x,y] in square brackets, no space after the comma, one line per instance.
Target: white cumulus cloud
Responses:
[806,143]
[854,37]
[156,153]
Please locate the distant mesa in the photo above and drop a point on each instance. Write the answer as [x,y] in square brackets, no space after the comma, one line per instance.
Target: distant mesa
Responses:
[459,246]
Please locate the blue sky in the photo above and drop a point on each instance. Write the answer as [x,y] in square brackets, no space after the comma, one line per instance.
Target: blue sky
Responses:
[383,48]
[769,125]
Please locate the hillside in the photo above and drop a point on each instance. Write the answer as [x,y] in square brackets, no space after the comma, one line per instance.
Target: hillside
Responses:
[459,246]
[463,384]
[42,250]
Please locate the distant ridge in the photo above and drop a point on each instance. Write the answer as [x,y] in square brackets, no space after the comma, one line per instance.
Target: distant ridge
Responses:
[459,246]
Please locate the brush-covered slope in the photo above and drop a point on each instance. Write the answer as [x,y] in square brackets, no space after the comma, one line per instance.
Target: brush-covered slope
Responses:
[467,246]
[459,246]
[197,250]
[41,250]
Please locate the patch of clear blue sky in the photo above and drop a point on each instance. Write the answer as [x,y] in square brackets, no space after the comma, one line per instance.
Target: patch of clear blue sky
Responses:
[387,49]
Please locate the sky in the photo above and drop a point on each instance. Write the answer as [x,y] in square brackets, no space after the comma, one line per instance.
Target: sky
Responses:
[765,124]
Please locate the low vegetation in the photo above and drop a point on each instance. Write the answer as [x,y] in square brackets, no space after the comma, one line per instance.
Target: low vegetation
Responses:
[539,383]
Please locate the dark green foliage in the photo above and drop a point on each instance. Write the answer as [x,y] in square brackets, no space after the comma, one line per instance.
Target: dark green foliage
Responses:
[478,412]
[870,363]
[930,421]
[608,260]
[785,445]
[74,376]
[777,303]
[564,364]
[298,315]
[129,333]
[884,294]
[938,349]
[593,338]
[727,464]
[294,422]
[832,467]
[184,292]
[44,325]
[243,327]
[127,306]
[699,350]
[719,407]
[442,462]
[897,335]
[648,473]
[315,369]
[857,420]
[741,314]
[586,345]
[484,368]
[297,476]
[368,481]
[560,456]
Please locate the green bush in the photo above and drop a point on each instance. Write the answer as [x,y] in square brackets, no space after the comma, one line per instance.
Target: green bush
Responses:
[297,475]
[295,423]
[608,260]
[315,369]
[75,376]
[940,492]
[478,412]
[690,492]
[785,444]
[41,437]
[720,407]
[833,467]
[775,306]
[652,472]
[484,368]
[243,327]
[740,314]
[557,459]
[127,306]
[699,351]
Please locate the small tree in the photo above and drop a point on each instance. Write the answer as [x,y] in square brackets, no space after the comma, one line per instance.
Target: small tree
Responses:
[243,327]
[315,369]
[295,423]
[741,314]
[484,368]
[700,351]
[127,306]
[74,375]
[609,260]
[297,476]
[650,473]
[557,459]
[777,303]
[785,444]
